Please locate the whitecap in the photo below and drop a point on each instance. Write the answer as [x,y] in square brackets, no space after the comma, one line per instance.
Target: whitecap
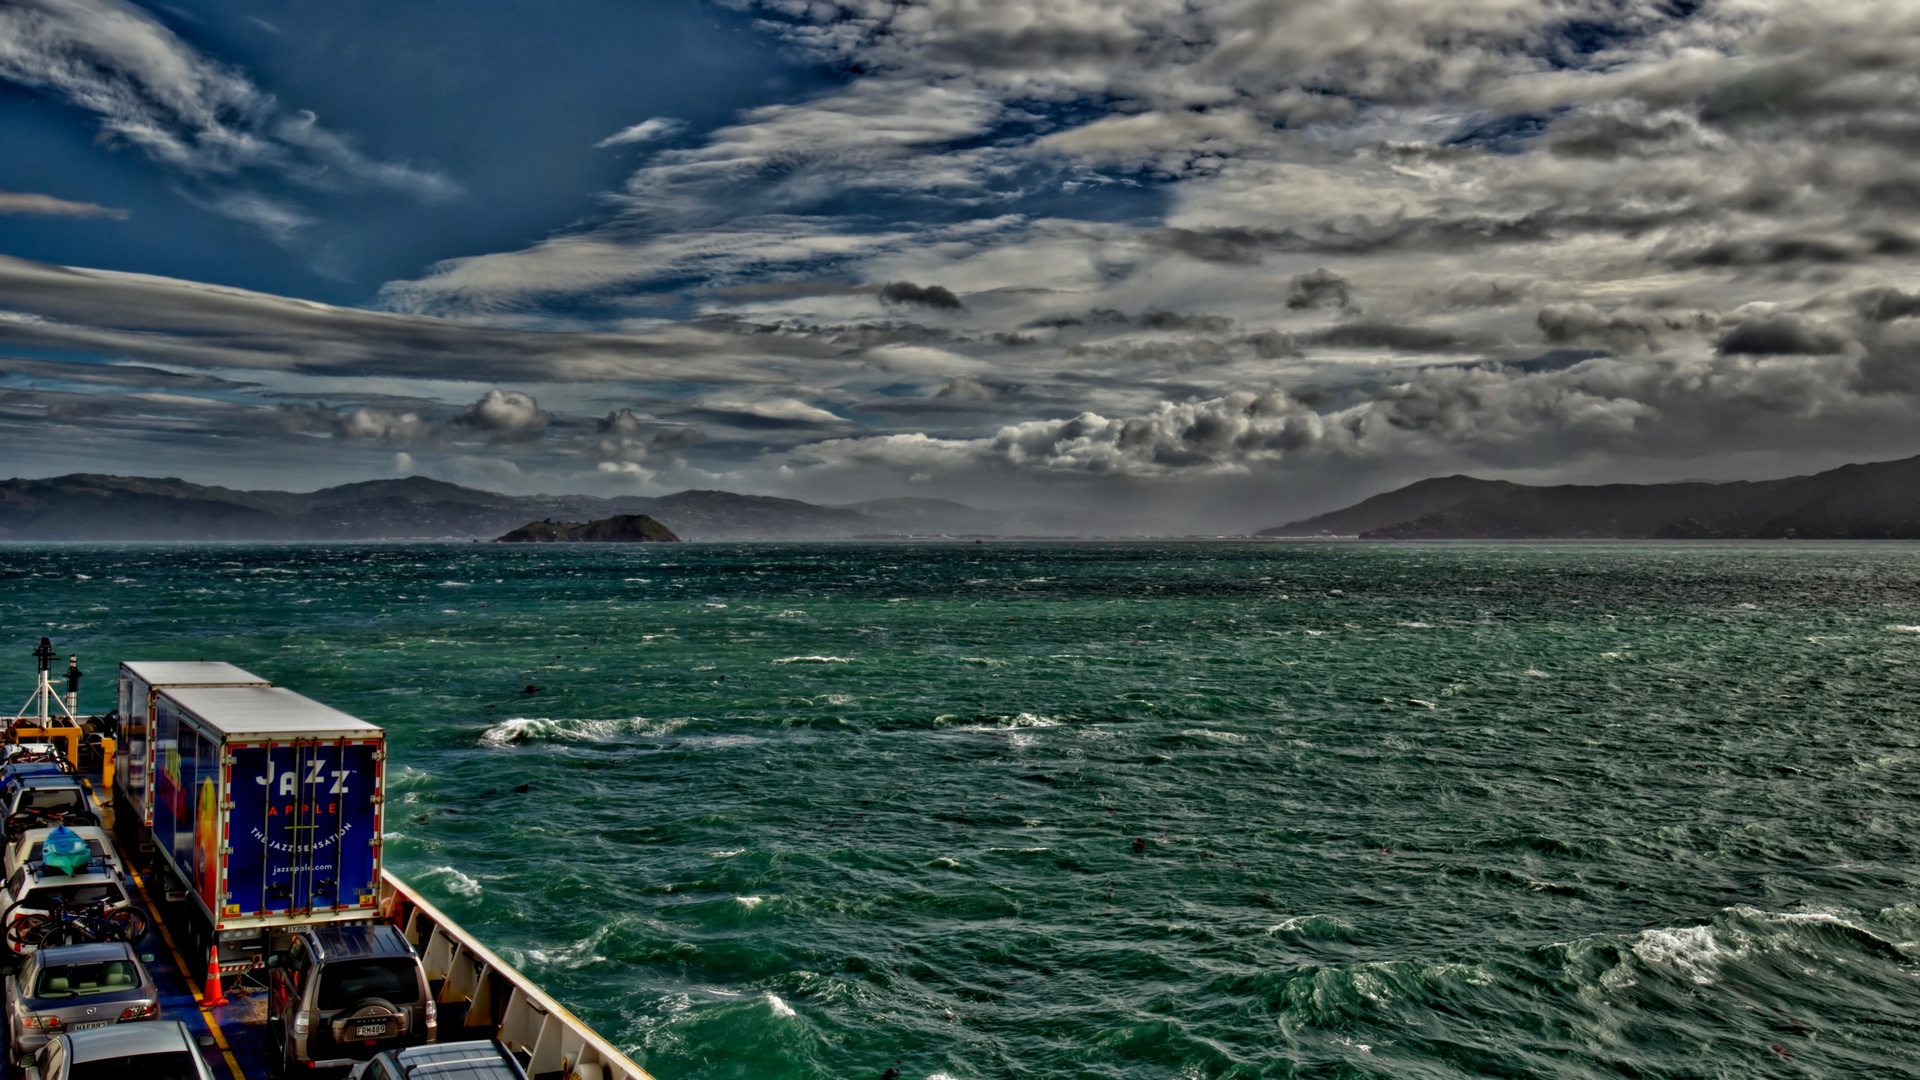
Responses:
[455,584]
[1899,628]
[1209,733]
[750,902]
[812,660]
[457,883]
[525,729]
[1535,673]
[1693,951]
[780,1008]
[1417,701]
[1416,625]
[727,854]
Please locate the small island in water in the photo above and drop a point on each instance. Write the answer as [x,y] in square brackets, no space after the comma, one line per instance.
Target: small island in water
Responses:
[619,529]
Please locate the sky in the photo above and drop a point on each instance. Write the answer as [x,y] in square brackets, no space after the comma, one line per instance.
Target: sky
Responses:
[1161,265]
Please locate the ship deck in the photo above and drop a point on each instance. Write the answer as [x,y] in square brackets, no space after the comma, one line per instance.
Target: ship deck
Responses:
[238,1027]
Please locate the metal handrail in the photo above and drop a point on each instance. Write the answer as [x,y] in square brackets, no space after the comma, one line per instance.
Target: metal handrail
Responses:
[497,998]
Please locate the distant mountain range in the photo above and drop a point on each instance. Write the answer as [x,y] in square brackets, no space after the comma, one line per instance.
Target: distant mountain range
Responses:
[87,506]
[1878,501]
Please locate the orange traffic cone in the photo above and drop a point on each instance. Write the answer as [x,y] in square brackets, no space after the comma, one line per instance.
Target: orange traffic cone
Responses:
[214,995]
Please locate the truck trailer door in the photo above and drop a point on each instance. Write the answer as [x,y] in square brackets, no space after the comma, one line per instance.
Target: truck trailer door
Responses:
[309,819]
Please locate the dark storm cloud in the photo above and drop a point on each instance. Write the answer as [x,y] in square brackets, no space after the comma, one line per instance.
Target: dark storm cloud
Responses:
[1398,337]
[932,296]
[1781,335]
[1886,304]
[1320,288]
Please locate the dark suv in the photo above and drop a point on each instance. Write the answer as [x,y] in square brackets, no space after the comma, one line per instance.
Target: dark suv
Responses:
[339,995]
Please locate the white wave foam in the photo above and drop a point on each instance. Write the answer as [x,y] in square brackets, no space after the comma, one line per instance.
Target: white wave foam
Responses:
[750,902]
[812,660]
[1416,625]
[1903,629]
[1209,733]
[1021,720]
[727,854]
[780,1008]
[457,883]
[1417,701]
[1536,673]
[525,729]
[1692,951]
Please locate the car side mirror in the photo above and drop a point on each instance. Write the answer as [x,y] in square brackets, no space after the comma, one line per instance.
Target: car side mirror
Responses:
[273,960]
[204,1040]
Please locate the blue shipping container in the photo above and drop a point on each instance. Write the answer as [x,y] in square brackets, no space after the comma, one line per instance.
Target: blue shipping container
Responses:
[268,805]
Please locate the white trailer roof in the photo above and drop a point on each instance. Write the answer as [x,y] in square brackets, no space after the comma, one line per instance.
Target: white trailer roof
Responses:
[190,673]
[268,711]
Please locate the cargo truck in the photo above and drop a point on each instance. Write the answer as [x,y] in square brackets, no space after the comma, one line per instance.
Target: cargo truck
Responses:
[268,806]
[133,751]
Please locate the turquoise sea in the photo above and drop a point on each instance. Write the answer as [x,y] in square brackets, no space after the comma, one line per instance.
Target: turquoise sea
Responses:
[1130,810]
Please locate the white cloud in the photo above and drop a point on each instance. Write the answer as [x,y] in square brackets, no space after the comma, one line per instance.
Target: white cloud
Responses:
[203,119]
[658,127]
[507,416]
[13,202]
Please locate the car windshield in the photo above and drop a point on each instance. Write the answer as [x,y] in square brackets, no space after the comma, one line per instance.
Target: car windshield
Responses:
[72,896]
[171,1065]
[344,982]
[59,798]
[85,980]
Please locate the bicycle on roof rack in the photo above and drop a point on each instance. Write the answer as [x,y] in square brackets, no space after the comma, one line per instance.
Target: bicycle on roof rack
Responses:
[74,924]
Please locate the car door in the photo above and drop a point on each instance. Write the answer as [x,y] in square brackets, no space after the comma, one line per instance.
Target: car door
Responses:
[286,985]
[51,1062]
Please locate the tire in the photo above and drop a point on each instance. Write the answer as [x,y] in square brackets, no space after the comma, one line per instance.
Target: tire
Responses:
[128,924]
[28,930]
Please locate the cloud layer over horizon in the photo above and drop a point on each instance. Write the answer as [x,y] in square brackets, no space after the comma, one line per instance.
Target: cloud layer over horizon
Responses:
[1175,265]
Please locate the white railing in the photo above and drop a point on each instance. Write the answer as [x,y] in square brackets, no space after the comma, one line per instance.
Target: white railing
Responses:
[498,1000]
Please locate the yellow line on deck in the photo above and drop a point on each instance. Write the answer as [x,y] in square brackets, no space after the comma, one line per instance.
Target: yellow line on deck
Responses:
[200,995]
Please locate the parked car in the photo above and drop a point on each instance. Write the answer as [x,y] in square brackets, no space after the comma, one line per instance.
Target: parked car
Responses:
[162,1051]
[46,800]
[341,994]
[27,848]
[32,890]
[477,1060]
[76,988]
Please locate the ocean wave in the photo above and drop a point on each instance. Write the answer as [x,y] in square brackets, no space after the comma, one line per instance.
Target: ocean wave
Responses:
[456,882]
[1316,928]
[1017,721]
[780,1008]
[524,729]
[813,660]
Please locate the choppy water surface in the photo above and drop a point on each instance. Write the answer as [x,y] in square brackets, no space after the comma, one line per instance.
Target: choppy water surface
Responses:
[1127,810]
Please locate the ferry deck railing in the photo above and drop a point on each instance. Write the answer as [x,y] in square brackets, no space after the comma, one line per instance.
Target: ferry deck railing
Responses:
[479,992]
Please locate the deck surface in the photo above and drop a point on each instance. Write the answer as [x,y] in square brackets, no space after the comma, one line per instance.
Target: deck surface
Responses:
[239,1028]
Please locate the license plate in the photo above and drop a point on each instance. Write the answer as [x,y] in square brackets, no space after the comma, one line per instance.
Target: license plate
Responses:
[88,1024]
[369,1031]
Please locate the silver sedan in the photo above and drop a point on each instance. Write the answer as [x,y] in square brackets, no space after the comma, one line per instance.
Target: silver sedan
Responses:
[76,988]
[163,1051]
